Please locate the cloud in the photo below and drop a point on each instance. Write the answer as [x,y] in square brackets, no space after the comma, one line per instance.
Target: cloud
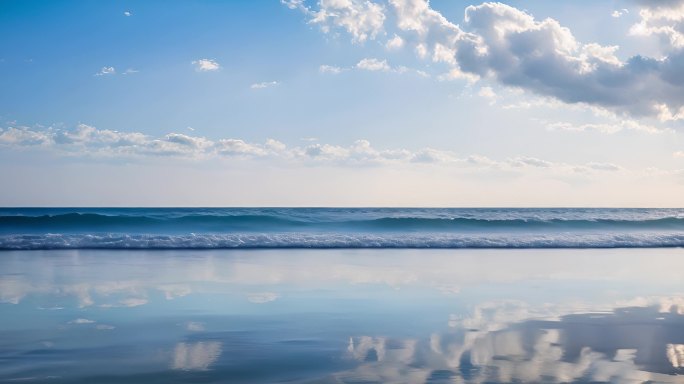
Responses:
[604,166]
[362,19]
[128,13]
[330,69]
[265,84]
[23,136]
[607,127]
[206,65]
[509,46]
[488,93]
[86,140]
[373,65]
[678,154]
[106,71]
[395,43]
[619,13]
[130,71]
[661,18]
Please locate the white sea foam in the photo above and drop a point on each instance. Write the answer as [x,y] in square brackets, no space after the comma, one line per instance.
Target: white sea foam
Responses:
[343,240]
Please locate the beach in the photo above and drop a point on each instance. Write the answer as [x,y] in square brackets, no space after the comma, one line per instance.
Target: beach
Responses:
[342,315]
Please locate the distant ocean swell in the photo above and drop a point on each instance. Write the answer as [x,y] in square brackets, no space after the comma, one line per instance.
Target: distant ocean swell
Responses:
[214,228]
[337,240]
[92,221]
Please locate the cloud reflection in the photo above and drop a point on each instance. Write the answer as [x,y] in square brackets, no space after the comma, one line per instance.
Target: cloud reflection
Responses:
[627,344]
[196,356]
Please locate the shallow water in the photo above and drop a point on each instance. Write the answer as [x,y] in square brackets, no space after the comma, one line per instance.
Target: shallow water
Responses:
[349,316]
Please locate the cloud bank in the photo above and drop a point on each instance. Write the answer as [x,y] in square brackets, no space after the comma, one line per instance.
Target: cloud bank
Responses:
[86,140]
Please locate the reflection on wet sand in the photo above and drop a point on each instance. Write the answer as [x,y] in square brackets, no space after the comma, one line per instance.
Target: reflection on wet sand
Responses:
[343,316]
[195,356]
[632,344]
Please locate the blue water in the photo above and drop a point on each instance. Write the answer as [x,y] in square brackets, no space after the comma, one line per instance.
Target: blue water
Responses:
[208,228]
[342,316]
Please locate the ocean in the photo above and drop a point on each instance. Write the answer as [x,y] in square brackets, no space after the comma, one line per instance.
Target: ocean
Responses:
[323,295]
[215,228]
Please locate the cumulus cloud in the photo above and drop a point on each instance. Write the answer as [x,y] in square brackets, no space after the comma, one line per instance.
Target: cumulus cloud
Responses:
[395,43]
[23,136]
[661,18]
[504,44]
[206,65]
[128,13]
[264,84]
[360,18]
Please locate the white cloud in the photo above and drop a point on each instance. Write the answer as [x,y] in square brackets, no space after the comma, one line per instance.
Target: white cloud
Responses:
[488,93]
[603,166]
[206,65]
[330,69]
[678,154]
[106,71]
[127,13]
[130,71]
[104,327]
[86,140]
[362,19]
[23,136]
[236,147]
[661,18]
[611,126]
[501,43]
[395,42]
[265,84]
[373,65]
[619,13]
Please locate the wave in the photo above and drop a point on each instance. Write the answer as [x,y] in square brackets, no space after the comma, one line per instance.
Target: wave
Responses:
[337,240]
[261,223]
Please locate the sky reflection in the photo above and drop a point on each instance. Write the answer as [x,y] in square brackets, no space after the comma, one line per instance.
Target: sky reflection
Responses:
[343,316]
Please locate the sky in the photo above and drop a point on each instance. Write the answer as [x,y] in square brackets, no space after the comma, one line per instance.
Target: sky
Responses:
[342,103]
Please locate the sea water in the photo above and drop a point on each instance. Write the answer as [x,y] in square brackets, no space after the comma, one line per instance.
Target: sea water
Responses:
[194,301]
[207,228]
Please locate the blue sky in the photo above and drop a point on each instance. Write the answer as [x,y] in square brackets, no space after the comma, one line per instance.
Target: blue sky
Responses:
[342,102]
